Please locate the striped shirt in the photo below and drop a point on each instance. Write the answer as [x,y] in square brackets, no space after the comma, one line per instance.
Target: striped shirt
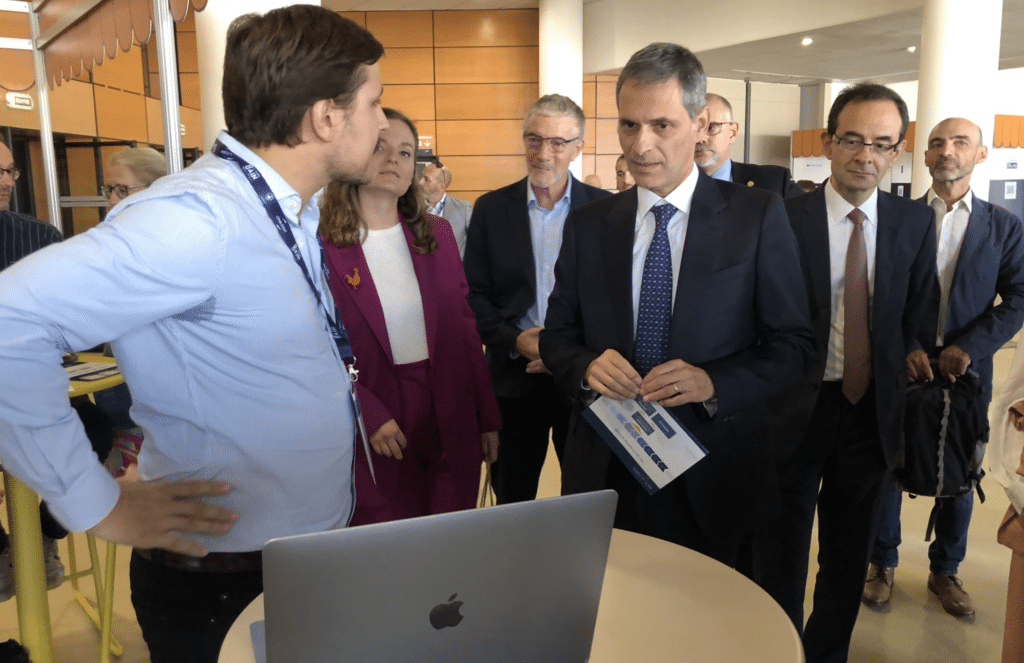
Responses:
[20,235]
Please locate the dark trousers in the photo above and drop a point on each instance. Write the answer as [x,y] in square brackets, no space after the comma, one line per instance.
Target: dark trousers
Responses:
[947,550]
[839,468]
[185,615]
[528,422]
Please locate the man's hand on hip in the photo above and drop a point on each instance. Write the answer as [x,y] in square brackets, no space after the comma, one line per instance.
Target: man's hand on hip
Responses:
[149,514]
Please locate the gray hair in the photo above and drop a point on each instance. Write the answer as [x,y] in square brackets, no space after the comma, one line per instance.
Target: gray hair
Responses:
[146,164]
[556,105]
[659,62]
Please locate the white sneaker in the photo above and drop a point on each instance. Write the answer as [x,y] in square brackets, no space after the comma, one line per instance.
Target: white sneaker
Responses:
[6,575]
[54,567]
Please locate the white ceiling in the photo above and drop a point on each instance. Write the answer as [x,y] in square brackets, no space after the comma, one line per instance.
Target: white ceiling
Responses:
[870,49]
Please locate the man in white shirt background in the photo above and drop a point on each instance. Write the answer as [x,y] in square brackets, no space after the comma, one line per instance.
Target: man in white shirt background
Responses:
[980,254]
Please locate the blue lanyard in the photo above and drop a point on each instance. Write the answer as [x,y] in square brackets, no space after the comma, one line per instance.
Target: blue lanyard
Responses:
[335,323]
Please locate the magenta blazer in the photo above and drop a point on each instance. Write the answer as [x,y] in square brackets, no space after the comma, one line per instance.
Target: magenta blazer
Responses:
[464,399]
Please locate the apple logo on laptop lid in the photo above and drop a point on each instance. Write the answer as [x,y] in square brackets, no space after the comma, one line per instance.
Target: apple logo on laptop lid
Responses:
[446,614]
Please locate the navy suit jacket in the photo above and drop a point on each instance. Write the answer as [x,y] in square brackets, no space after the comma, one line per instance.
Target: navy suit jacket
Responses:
[739,314]
[769,178]
[990,263]
[904,311]
[502,275]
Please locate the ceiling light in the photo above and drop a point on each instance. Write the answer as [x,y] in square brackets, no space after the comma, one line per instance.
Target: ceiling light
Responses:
[911,49]
[806,41]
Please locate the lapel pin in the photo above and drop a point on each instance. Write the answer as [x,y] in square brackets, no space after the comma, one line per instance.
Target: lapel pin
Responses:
[354,279]
[750,183]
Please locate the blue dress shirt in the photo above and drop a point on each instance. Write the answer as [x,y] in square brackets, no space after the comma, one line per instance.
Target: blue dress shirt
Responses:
[233,372]
[546,237]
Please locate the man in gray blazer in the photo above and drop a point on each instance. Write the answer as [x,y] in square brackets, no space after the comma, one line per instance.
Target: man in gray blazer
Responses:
[435,182]
[980,255]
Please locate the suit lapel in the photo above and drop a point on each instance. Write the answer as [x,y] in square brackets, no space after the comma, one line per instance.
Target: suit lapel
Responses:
[520,229]
[349,264]
[704,232]
[617,251]
[886,259]
[977,229]
[811,229]
[426,268]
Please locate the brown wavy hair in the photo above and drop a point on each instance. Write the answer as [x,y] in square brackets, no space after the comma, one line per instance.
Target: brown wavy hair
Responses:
[340,220]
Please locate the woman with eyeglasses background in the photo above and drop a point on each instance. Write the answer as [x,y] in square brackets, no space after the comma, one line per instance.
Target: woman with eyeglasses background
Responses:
[132,170]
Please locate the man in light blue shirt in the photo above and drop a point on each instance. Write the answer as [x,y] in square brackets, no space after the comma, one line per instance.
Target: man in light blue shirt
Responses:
[209,283]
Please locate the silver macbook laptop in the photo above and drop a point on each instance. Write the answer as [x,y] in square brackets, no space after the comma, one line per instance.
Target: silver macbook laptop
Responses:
[505,584]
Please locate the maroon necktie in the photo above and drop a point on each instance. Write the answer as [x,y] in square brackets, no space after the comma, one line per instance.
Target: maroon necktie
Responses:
[856,341]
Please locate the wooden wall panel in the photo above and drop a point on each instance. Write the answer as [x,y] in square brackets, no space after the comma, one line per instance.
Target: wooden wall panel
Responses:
[22,119]
[606,106]
[502,64]
[485,101]
[193,136]
[480,137]
[587,166]
[154,121]
[73,109]
[407,65]
[428,128]
[402,29]
[82,182]
[188,57]
[485,173]
[120,115]
[357,17]
[605,169]
[607,136]
[589,138]
[189,86]
[416,101]
[486,28]
[123,72]
[589,98]
[14,25]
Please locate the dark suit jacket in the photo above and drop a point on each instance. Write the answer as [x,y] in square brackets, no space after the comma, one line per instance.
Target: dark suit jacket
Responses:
[991,262]
[904,311]
[769,178]
[501,273]
[739,314]
[464,400]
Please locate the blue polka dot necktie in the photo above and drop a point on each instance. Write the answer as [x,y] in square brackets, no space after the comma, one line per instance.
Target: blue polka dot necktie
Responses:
[655,308]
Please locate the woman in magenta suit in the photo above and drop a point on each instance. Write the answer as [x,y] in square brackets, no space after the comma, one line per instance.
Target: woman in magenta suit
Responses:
[425,394]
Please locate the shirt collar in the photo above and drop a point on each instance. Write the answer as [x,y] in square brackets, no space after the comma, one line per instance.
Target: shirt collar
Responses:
[966,202]
[725,172]
[681,197]
[278,186]
[839,208]
[531,197]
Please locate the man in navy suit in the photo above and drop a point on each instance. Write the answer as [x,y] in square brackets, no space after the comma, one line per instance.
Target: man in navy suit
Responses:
[714,154]
[980,255]
[869,262]
[513,241]
[684,290]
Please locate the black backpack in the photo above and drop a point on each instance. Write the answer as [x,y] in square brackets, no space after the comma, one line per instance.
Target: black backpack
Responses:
[945,434]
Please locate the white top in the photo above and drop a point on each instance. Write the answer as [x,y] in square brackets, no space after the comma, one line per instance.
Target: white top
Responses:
[387,256]
[839,230]
[1005,441]
[949,234]
[643,231]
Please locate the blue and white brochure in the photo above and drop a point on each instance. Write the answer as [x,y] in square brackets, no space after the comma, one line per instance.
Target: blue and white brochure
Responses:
[651,443]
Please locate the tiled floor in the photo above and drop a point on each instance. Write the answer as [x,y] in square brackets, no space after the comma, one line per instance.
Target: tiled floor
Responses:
[914,630]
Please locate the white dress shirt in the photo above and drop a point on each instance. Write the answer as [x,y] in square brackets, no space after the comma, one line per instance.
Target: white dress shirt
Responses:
[839,229]
[950,228]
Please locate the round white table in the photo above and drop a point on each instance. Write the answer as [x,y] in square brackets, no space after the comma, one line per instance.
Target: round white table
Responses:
[661,603]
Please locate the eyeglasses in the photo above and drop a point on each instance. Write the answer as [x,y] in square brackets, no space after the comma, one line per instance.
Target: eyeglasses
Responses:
[535,142]
[856,145]
[715,128]
[120,190]
[12,171]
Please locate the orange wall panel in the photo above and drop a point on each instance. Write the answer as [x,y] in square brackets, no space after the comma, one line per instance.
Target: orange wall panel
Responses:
[403,29]
[503,64]
[407,65]
[589,137]
[416,101]
[357,17]
[589,99]
[485,101]
[193,136]
[606,106]
[120,115]
[480,173]
[608,137]
[486,28]
[73,109]
[189,87]
[188,57]
[14,25]
[480,137]
[123,71]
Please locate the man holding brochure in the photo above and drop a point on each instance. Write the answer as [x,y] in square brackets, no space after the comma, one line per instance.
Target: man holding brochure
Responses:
[685,291]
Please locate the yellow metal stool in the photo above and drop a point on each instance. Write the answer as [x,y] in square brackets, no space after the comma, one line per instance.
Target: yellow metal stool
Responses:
[102,614]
